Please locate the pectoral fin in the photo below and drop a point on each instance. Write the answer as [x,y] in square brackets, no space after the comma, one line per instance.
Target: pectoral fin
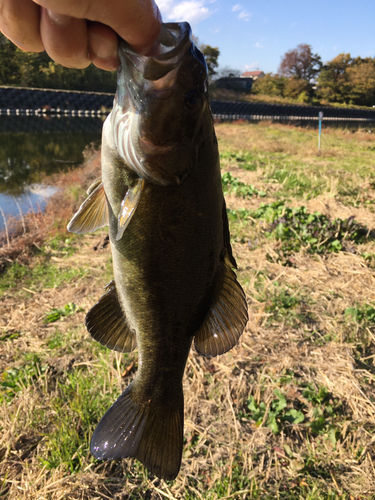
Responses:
[128,206]
[93,213]
[107,323]
[227,317]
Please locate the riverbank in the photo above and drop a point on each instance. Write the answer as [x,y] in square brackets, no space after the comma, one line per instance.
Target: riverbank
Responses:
[289,413]
[22,235]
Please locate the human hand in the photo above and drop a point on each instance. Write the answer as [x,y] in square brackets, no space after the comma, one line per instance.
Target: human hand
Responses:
[75,33]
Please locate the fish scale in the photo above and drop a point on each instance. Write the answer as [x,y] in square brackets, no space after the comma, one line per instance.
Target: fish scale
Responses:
[161,196]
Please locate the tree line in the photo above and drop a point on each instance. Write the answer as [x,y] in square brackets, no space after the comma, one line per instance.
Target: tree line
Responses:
[302,76]
[26,69]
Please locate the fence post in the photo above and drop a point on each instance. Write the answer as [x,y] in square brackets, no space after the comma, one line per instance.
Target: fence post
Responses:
[320,127]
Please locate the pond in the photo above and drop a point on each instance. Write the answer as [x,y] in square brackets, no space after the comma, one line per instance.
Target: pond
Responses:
[34,147]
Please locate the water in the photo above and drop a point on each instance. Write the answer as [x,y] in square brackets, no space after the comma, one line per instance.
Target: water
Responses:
[32,148]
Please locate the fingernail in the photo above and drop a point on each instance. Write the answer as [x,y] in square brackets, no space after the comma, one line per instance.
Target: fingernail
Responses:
[101,46]
[59,19]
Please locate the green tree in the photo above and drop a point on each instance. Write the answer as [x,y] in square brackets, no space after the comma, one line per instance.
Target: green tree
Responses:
[333,79]
[27,69]
[211,55]
[348,80]
[9,70]
[361,80]
[299,89]
[273,85]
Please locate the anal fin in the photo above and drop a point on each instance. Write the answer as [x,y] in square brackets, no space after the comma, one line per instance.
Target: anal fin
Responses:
[227,316]
[107,323]
[93,213]
[151,433]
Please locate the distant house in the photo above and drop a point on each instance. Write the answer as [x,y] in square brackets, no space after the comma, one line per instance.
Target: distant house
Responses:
[253,74]
[235,83]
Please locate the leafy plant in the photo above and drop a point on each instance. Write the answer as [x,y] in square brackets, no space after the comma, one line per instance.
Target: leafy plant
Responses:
[275,414]
[369,259]
[316,409]
[56,314]
[297,228]
[234,185]
[361,314]
[238,214]
[245,160]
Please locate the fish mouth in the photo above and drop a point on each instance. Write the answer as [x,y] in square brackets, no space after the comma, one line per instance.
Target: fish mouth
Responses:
[143,81]
[140,75]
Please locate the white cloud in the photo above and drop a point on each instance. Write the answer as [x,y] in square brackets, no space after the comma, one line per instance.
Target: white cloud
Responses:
[244,14]
[254,66]
[192,11]
[259,46]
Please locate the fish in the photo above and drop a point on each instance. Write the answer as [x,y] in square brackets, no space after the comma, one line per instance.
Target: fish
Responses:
[174,281]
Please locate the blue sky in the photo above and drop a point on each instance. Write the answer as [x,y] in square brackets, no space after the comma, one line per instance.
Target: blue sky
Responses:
[254,35]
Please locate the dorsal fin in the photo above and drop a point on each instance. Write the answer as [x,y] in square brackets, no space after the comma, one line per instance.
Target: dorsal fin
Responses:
[93,213]
[227,316]
[107,323]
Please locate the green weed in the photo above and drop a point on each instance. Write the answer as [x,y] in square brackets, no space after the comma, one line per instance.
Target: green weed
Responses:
[240,223]
[9,336]
[295,183]
[272,415]
[282,303]
[240,214]
[369,259]
[77,407]
[316,409]
[234,185]
[57,340]
[56,314]
[14,379]
[296,228]
[246,160]
[364,314]
[42,275]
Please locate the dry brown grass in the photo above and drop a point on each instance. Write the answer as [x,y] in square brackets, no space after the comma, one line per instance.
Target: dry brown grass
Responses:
[319,347]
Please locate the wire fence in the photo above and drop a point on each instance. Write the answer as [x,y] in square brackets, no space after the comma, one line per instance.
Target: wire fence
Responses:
[15,101]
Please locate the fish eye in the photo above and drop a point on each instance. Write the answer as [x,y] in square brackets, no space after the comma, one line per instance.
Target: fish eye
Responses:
[191,98]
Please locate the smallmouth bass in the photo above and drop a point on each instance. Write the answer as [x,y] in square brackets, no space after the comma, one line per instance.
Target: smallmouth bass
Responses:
[161,196]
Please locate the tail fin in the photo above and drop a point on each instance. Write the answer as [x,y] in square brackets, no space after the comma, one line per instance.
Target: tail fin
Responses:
[153,435]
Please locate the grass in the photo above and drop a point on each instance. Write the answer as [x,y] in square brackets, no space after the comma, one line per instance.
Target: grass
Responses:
[287,414]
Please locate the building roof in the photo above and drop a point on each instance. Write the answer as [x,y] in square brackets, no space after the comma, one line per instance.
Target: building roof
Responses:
[249,74]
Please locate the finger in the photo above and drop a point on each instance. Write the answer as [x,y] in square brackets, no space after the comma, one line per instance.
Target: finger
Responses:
[19,21]
[103,42]
[136,21]
[65,39]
